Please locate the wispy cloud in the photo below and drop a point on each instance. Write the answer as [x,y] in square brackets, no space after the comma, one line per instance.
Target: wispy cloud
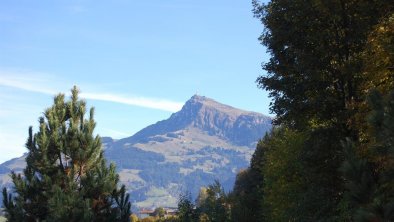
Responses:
[40,83]
[24,83]
[160,104]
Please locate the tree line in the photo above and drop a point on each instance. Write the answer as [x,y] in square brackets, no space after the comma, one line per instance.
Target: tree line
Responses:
[330,155]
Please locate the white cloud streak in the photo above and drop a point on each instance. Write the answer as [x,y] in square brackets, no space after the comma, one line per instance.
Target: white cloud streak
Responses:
[24,83]
[30,84]
[159,104]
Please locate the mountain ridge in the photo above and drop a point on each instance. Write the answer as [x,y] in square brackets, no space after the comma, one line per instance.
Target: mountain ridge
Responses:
[209,115]
[204,141]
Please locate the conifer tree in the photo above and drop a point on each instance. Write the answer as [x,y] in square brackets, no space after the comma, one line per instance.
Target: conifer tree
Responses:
[186,211]
[66,177]
[369,169]
[370,181]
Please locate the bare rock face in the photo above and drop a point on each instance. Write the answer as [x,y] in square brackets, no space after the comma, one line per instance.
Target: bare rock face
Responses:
[236,126]
[204,141]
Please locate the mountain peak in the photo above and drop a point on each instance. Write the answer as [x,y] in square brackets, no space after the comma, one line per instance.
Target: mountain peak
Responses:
[216,119]
[199,105]
[201,99]
[198,97]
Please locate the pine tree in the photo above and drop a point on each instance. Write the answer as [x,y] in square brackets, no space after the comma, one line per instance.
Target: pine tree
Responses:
[370,181]
[186,211]
[66,177]
[369,169]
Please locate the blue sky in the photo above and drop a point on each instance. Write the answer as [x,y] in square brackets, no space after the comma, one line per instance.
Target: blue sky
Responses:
[136,62]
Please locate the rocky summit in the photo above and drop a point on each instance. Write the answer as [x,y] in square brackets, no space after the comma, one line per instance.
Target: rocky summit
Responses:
[203,142]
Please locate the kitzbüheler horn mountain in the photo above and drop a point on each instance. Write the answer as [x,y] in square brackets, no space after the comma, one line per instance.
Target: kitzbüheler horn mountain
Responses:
[204,141]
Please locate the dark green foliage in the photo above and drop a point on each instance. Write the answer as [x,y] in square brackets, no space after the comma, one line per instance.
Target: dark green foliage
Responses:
[186,209]
[319,158]
[284,181]
[360,180]
[382,121]
[316,77]
[316,65]
[66,177]
[247,196]
[285,178]
[370,182]
[122,200]
[12,209]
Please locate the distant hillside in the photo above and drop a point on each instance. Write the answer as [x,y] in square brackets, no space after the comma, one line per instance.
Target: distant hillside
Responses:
[204,141]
